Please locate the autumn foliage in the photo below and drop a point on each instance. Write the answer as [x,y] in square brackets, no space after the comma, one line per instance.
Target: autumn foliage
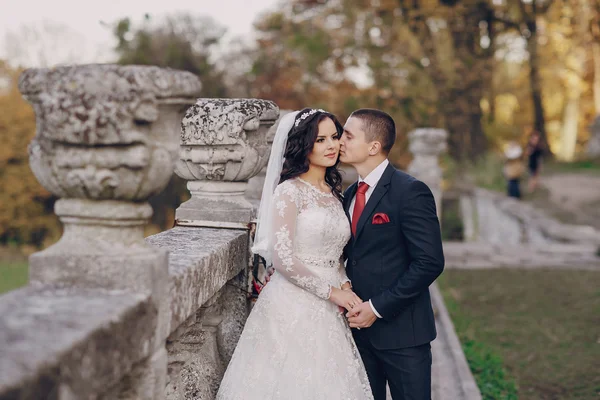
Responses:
[25,206]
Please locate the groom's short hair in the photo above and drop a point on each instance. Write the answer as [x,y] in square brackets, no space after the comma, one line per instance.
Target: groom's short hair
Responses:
[378,126]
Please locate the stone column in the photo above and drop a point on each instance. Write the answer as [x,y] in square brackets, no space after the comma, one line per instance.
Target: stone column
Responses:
[427,144]
[223,144]
[593,146]
[106,140]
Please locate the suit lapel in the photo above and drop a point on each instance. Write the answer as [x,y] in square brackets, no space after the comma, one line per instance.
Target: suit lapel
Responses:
[380,191]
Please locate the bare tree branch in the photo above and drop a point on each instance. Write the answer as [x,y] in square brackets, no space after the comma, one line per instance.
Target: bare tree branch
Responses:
[545,7]
[525,15]
[506,21]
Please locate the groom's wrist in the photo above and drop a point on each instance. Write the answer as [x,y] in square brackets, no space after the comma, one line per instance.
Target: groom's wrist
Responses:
[374,310]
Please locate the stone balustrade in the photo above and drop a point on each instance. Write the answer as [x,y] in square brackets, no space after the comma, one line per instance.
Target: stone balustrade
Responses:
[109,314]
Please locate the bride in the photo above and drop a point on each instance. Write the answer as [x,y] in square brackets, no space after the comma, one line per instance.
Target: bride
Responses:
[296,343]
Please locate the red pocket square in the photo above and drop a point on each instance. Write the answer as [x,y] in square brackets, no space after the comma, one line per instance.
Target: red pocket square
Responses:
[380,219]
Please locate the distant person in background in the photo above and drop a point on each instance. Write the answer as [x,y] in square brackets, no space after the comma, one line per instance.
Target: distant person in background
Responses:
[534,154]
[514,169]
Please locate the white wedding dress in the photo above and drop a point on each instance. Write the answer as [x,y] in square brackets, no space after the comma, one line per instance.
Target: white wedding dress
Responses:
[296,344]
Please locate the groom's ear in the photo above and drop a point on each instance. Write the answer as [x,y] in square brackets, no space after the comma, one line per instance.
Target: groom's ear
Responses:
[374,148]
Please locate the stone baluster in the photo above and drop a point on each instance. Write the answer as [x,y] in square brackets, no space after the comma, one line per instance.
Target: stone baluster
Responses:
[427,144]
[223,144]
[106,140]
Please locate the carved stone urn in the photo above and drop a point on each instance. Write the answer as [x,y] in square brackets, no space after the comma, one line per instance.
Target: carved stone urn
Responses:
[223,144]
[107,139]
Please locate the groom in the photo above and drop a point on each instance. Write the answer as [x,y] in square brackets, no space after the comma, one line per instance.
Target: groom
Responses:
[394,255]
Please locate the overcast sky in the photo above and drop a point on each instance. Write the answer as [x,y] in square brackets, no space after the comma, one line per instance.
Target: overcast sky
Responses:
[91,41]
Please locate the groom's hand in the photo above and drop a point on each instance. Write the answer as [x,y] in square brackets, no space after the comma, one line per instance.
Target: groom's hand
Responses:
[361,316]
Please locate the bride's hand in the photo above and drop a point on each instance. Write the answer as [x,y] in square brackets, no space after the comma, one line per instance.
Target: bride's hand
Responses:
[344,298]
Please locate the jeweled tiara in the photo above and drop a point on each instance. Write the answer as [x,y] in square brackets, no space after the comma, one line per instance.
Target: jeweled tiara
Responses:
[307,114]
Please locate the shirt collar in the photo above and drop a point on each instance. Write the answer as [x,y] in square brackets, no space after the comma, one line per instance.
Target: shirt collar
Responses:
[373,178]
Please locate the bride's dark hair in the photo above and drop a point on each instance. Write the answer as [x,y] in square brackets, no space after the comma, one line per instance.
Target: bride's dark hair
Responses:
[300,142]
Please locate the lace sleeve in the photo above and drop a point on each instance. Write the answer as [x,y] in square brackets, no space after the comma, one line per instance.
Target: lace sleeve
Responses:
[342,272]
[286,201]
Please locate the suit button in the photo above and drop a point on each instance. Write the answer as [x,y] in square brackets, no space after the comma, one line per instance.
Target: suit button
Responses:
[354,262]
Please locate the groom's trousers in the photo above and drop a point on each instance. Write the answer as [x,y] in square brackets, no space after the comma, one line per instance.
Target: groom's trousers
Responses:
[406,370]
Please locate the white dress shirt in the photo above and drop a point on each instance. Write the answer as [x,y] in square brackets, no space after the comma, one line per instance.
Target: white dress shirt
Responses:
[372,180]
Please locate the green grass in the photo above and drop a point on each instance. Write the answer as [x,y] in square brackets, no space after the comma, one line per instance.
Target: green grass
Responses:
[537,328]
[488,369]
[486,365]
[583,166]
[13,274]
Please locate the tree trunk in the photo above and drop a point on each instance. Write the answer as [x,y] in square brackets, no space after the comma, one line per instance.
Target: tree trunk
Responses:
[492,50]
[570,127]
[535,84]
[575,82]
[479,142]
[458,134]
[596,87]
[595,36]
[460,91]
[463,116]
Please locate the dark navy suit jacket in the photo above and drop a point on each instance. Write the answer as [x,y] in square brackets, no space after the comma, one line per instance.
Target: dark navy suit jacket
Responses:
[393,264]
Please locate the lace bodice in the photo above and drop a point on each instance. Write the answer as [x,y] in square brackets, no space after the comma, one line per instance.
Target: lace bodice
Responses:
[311,230]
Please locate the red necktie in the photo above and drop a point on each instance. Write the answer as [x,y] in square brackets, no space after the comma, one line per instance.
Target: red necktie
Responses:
[359,205]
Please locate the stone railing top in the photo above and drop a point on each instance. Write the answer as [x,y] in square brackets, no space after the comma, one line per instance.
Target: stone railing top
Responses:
[112,80]
[102,103]
[225,121]
[79,340]
[201,261]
